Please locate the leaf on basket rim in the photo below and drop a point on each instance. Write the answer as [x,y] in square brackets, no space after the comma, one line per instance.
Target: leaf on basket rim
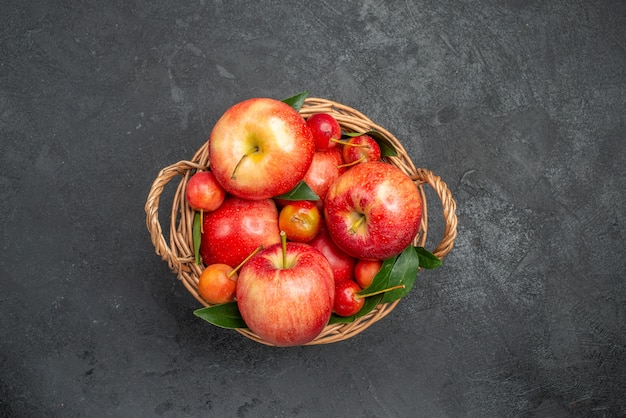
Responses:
[302,191]
[197,235]
[297,100]
[428,260]
[226,315]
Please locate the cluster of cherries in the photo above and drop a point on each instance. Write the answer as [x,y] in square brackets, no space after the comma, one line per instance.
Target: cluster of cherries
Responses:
[300,220]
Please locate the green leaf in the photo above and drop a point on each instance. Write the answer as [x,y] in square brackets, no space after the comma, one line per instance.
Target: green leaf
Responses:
[226,315]
[197,235]
[302,191]
[404,272]
[427,259]
[296,101]
[386,148]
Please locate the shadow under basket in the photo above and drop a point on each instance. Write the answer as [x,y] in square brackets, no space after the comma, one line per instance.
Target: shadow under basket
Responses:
[178,251]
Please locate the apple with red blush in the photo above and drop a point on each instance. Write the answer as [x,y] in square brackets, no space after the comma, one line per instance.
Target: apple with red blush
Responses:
[260,148]
[373,211]
[236,228]
[324,169]
[285,293]
[341,263]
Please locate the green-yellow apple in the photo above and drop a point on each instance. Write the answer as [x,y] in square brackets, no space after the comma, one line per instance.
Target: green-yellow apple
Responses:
[260,148]
[237,228]
[285,293]
[373,210]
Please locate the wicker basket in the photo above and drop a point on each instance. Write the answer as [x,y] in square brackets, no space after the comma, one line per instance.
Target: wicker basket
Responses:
[179,254]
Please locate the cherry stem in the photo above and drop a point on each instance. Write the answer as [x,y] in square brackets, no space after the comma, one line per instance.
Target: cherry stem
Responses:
[246,155]
[259,248]
[355,162]
[356,225]
[378,292]
[283,240]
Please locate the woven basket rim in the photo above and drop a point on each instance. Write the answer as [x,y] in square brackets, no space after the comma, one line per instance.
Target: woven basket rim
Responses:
[178,250]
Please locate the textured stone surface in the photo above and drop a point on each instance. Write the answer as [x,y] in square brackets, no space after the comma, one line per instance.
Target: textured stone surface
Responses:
[517,105]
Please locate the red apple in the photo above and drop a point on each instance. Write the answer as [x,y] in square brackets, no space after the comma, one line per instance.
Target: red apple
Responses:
[365,270]
[347,302]
[236,228]
[260,148]
[373,211]
[323,171]
[203,192]
[341,263]
[286,295]
[325,129]
[301,220]
[360,149]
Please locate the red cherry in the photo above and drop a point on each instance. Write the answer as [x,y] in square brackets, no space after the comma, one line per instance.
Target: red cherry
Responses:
[360,149]
[325,129]
[347,302]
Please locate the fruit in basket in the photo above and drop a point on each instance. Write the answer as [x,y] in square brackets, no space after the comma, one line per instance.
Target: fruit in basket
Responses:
[260,148]
[360,149]
[236,228]
[365,270]
[301,220]
[373,210]
[341,263]
[323,171]
[285,293]
[347,301]
[325,129]
[218,282]
[203,192]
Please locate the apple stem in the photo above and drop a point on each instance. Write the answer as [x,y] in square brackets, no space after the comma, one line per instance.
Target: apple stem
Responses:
[202,221]
[356,225]
[355,162]
[378,292]
[259,248]
[246,155]
[283,240]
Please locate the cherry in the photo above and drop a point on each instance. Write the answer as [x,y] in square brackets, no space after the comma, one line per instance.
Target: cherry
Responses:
[301,220]
[203,192]
[360,149]
[325,129]
[218,282]
[347,302]
[365,270]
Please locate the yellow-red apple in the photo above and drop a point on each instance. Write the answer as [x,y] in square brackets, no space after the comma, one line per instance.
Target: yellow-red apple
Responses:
[373,210]
[260,148]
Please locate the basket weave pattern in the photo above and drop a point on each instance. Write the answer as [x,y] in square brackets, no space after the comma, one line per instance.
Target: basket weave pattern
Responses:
[178,250]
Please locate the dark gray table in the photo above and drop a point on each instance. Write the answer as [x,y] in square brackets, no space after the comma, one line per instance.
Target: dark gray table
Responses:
[517,105]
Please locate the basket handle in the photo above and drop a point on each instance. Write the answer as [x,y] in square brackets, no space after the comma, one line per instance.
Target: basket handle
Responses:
[449,209]
[152,211]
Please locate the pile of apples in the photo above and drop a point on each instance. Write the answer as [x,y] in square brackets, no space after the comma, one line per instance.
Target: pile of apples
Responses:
[297,218]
